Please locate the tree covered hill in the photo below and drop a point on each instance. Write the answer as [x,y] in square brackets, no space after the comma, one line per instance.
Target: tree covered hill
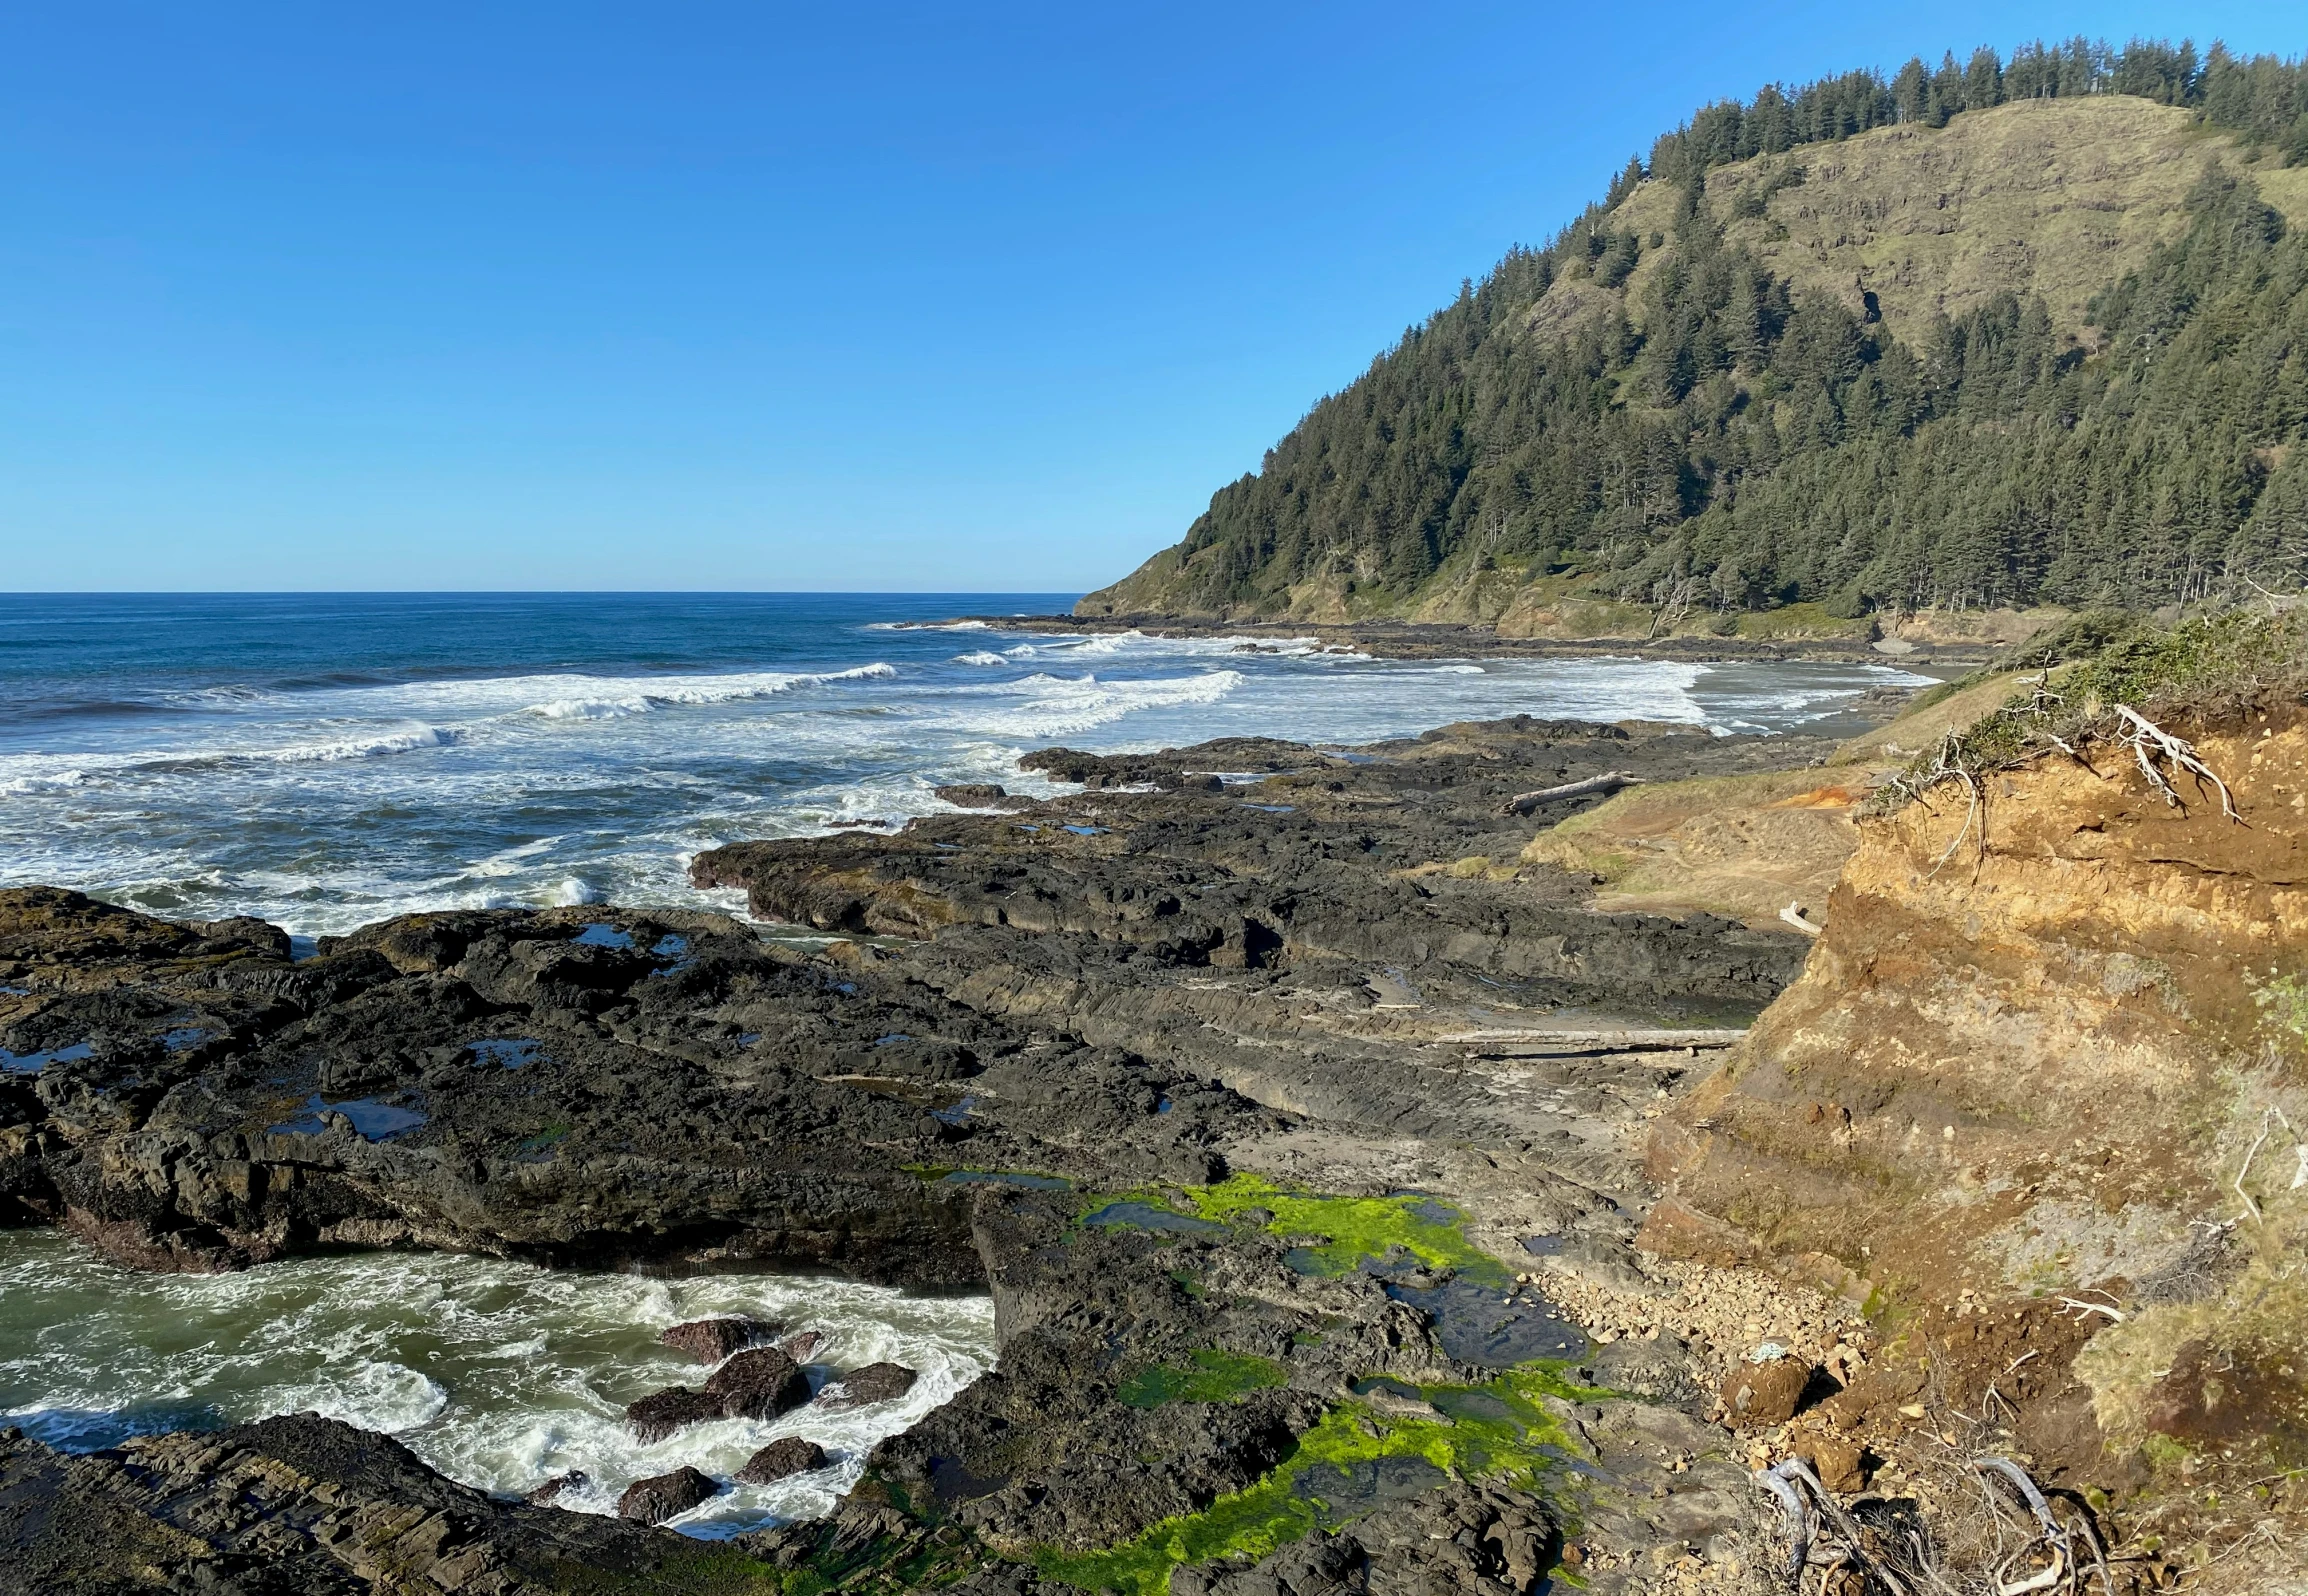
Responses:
[2001,334]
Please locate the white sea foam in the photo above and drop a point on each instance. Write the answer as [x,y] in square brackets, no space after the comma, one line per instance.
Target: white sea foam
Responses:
[1113,644]
[1059,706]
[598,698]
[980,657]
[368,1394]
[375,745]
[46,781]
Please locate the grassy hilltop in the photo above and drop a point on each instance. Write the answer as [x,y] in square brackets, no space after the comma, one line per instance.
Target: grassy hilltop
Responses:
[2012,334]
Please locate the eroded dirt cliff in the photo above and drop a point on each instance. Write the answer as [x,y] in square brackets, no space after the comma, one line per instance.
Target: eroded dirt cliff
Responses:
[2038,1098]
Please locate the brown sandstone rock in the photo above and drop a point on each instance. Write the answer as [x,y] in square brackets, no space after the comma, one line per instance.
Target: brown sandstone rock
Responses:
[1840,1464]
[1759,1395]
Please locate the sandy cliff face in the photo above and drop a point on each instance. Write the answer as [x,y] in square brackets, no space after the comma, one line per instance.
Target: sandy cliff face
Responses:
[2027,1064]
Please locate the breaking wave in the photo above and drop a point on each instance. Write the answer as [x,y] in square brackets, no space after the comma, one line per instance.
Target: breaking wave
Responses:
[525,1371]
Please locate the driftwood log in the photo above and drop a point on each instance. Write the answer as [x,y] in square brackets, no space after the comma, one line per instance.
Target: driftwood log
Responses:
[1523,803]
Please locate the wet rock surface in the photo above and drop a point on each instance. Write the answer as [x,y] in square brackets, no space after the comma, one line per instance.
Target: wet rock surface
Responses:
[876,1382]
[760,1384]
[782,1459]
[664,1496]
[290,1506]
[663,1413]
[1282,971]
[711,1340]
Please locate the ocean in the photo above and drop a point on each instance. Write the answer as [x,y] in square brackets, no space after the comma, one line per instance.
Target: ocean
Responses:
[324,761]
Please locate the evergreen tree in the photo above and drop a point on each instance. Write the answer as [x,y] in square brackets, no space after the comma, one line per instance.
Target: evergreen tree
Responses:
[1756,450]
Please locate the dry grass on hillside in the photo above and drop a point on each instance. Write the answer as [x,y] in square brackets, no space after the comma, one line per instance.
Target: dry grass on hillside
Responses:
[1739,846]
[2053,197]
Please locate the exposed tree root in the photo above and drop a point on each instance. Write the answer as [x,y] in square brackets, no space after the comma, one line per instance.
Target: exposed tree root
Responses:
[2155,747]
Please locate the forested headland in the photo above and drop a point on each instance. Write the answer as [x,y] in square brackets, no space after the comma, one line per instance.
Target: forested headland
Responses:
[1996,334]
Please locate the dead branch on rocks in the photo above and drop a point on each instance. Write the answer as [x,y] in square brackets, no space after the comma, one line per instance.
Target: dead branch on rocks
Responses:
[2065,1545]
[2041,703]
[2070,1304]
[1523,803]
[2027,1544]
[1797,1510]
[1840,1543]
[2268,1116]
[2155,747]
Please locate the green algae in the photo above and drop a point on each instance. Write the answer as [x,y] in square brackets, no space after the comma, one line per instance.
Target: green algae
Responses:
[1337,1233]
[1501,1431]
[706,1571]
[1213,1377]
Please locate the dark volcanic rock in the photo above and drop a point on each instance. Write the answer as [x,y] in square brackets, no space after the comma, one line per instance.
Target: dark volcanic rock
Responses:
[876,1382]
[661,1413]
[711,1340]
[343,1102]
[664,1496]
[788,1455]
[979,795]
[253,1508]
[760,1384]
[574,1480]
[1332,975]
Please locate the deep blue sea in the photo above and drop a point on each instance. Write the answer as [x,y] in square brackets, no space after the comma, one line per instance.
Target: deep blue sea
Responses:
[327,760]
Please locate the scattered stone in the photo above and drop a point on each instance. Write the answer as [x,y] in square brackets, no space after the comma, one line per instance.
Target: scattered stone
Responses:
[665,1496]
[1759,1395]
[803,1346]
[574,1480]
[876,1382]
[758,1384]
[659,1414]
[781,1458]
[711,1340]
[1840,1464]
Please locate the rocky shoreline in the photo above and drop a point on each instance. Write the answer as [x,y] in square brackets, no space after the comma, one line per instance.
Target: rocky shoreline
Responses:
[1392,639]
[1300,1144]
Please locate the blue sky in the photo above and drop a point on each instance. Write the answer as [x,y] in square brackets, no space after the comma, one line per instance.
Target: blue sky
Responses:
[866,296]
